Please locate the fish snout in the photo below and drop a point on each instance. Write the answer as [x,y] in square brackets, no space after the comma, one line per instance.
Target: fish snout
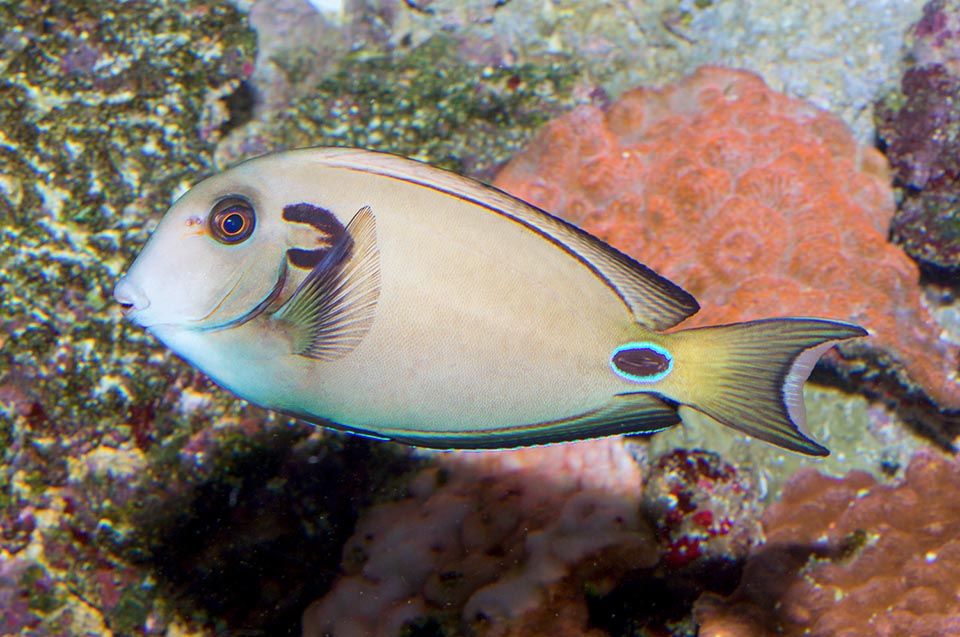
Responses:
[131,297]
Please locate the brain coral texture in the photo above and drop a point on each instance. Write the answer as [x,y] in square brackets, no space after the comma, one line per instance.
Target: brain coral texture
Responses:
[758,204]
[848,558]
[499,543]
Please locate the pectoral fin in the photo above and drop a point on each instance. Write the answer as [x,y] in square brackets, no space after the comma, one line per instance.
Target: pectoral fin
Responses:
[334,307]
[624,414]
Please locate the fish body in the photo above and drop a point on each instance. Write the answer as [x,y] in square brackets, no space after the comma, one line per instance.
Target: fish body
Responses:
[383,296]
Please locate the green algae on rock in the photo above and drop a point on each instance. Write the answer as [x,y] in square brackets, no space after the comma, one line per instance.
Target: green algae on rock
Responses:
[103,109]
[106,102]
[424,102]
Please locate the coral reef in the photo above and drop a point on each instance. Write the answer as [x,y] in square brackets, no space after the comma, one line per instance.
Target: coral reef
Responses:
[757,204]
[703,509]
[532,55]
[849,557]
[136,498]
[104,110]
[500,543]
[625,44]
[920,128]
[590,538]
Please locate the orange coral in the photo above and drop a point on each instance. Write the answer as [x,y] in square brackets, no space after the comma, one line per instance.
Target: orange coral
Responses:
[847,557]
[758,204]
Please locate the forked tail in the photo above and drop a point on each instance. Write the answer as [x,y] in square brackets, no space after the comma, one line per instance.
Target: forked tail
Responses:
[749,376]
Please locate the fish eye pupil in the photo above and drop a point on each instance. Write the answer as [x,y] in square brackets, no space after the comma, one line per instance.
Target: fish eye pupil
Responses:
[232,224]
[232,220]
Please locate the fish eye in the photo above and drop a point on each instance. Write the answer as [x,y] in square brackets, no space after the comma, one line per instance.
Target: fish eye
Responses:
[232,220]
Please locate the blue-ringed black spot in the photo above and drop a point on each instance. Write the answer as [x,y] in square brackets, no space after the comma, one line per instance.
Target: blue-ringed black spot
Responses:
[642,362]
[232,220]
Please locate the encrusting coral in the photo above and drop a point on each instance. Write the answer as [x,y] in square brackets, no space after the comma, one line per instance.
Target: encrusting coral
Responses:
[848,557]
[579,539]
[920,127]
[758,204]
[106,111]
[501,543]
[702,508]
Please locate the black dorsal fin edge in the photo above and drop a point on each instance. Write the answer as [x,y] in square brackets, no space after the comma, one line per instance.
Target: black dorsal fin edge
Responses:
[655,302]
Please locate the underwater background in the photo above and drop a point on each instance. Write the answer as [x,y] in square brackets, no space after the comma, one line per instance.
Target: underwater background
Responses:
[772,157]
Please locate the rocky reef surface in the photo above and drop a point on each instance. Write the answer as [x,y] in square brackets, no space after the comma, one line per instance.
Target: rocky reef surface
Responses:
[850,557]
[138,499]
[920,127]
[838,57]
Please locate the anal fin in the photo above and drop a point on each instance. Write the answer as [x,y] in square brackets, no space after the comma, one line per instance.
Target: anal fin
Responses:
[624,414]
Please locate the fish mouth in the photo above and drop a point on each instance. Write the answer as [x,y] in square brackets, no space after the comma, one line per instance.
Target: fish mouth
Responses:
[130,297]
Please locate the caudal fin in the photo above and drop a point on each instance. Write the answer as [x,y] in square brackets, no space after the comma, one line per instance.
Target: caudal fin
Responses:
[750,376]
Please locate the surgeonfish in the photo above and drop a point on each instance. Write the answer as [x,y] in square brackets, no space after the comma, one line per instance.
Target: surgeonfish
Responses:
[379,295]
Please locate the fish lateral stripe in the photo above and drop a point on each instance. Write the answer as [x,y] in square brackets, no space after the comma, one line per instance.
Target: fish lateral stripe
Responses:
[305,259]
[316,216]
[664,297]
[642,362]
[631,413]
[328,227]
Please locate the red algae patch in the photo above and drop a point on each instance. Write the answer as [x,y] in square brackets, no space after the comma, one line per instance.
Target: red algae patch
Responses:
[758,204]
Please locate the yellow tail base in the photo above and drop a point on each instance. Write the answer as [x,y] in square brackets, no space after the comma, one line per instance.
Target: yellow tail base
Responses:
[750,376]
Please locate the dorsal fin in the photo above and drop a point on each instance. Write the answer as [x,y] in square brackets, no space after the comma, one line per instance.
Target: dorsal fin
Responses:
[333,308]
[656,303]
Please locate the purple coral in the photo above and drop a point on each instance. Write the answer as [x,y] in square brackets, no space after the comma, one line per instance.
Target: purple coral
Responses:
[921,131]
[505,543]
[937,36]
[702,508]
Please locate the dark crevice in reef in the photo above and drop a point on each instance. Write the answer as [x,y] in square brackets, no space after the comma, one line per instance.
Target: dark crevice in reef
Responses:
[880,379]
[659,601]
[252,546]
